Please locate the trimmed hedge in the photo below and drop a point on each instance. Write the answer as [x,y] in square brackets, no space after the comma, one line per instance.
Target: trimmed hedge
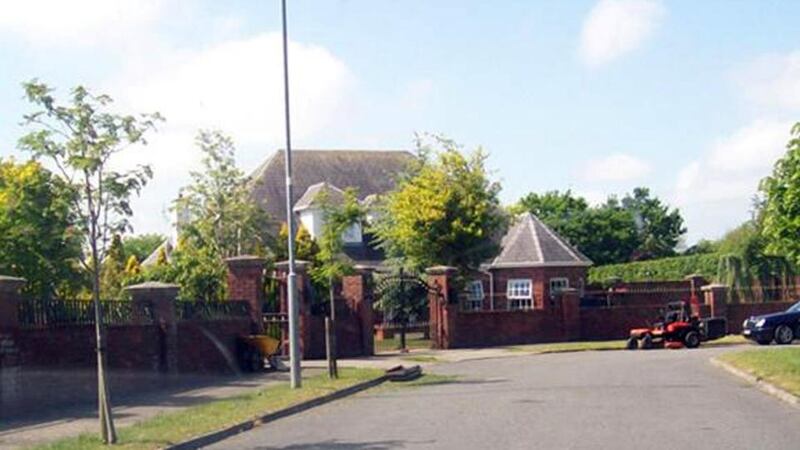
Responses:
[665,269]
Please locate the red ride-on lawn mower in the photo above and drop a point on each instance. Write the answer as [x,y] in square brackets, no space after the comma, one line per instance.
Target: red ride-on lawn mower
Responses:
[678,328]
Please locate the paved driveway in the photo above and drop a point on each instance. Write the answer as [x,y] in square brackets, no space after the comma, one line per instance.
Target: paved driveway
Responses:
[595,400]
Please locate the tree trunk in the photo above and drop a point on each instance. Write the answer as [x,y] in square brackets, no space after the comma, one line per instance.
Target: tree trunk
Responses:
[333,369]
[107,431]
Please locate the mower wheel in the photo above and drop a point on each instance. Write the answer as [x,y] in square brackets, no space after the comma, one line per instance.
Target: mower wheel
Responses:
[783,335]
[646,343]
[691,339]
[632,343]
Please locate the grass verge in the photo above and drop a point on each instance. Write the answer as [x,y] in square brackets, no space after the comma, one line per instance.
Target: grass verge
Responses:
[171,428]
[777,366]
[731,339]
[413,341]
[560,347]
[420,358]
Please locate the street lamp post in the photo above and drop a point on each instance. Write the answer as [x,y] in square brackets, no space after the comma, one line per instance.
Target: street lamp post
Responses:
[294,344]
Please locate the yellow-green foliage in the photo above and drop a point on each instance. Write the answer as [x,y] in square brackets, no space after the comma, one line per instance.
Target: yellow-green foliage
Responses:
[664,269]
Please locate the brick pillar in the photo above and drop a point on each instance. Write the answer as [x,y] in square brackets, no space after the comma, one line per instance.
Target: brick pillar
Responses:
[716,297]
[301,274]
[10,364]
[443,306]
[357,292]
[696,282]
[246,283]
[571,313]
[161,298]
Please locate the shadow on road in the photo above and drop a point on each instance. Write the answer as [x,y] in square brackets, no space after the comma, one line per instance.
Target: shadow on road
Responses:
[342,445]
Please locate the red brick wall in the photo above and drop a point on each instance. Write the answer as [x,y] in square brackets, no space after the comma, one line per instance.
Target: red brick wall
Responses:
[198,353]
[487,328]
[130,347]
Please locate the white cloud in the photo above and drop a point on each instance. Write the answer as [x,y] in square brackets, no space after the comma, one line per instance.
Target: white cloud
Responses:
[237,87]
[615,167]
[715,192]
[76,22]
[616,27]
[772,81]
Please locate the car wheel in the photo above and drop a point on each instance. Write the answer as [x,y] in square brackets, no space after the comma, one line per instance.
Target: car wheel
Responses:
[783,335]
[691,339]
[646,343]
[632,343]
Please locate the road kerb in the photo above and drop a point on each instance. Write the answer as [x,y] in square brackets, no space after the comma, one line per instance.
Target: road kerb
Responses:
[219,435]
[758,382]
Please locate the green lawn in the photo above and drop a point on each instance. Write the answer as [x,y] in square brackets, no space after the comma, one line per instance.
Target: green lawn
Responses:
[170,428]
[558,347]
[731,339]
[779,366]
[413,341]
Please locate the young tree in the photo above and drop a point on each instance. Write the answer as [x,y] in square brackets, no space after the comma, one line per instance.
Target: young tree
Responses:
[331,264]
[38,239]
[80,139]
[445,211]
[221,212]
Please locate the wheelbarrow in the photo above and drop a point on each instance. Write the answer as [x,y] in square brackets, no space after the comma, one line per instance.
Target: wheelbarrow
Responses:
[256,349]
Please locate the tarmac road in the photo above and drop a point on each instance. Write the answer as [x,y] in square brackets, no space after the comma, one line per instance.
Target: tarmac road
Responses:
[659,399]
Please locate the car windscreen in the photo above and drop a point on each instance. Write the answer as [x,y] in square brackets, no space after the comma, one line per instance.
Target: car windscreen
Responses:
[794,308]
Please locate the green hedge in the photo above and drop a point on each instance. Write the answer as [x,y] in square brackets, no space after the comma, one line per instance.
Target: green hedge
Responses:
[665,269]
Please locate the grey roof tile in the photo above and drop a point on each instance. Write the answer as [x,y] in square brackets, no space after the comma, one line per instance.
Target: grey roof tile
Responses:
[531,243]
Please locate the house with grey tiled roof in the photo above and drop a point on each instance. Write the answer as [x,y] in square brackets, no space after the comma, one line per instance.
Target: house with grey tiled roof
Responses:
[534,264]
[370,172]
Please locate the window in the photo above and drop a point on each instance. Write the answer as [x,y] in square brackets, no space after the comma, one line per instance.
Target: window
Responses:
[474,296]
[519,294]
[557,284]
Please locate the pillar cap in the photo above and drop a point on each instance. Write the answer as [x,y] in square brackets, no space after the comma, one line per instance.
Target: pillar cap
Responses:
[245,261]
[693,275]
[11,284]
[709,287]
[441,270]
[153,286]
[299,265]
[364,268]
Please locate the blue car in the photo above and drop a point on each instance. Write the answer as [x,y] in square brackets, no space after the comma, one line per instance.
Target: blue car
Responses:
[782,327]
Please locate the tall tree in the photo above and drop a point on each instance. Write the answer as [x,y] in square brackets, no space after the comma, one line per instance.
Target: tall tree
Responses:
[781,202]
[38,240]
[142,245]
[659,227]
[444,211]
[220,211]
[80,138]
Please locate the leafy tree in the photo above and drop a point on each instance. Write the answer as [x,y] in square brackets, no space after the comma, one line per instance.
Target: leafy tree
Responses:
[38,240]
[218,204]
[635,228]
[132,267]
[112,276]
[199,272]
[781,202]
[161,258]
[305,247]
[142,245]
[331,263]
[402,298]
[444,211]
[80,138]
[659,228]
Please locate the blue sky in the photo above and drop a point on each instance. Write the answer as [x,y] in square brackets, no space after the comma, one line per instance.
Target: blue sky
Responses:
[692,99]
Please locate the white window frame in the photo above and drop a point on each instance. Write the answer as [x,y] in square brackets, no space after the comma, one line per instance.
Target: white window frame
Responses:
[555,290]
[518,298]
[475,296]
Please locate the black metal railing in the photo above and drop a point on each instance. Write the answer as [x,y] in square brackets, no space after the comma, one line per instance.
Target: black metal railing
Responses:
[39,313]
[199,310]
